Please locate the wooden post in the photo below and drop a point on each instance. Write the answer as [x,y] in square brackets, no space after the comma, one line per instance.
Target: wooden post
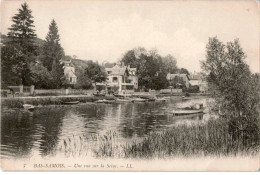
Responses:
[31,89]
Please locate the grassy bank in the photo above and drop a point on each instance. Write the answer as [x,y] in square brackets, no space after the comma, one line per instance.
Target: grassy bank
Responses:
[18,102]
[210,139]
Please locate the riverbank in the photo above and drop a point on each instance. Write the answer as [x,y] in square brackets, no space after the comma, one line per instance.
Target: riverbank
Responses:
[18,102]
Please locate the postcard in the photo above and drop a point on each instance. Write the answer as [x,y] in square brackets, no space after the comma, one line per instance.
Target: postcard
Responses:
[130,85]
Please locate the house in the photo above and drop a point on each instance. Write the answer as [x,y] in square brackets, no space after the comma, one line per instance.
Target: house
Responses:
[122,78]
[69,72]
[194,79]
[198,80]
[184,77]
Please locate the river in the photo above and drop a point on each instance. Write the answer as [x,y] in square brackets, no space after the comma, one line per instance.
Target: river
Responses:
[24,133]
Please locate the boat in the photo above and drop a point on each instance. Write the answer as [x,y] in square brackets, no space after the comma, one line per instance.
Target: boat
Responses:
[28,107]
[194,109]
[123,100]
[139,100]
[95,94]
[70,102]
[161,99]
[186,112]
[105,101]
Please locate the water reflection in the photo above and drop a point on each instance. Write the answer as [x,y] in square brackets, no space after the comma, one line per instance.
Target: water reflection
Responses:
[39,133]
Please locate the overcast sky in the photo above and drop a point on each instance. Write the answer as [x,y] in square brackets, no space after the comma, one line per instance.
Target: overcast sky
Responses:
[105,30]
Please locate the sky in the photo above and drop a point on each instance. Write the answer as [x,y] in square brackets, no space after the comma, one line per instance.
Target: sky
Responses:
[105,30]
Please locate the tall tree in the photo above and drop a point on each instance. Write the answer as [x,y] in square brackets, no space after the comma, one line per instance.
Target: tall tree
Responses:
[237,89]
[53,55]
[52,49]
[20,50]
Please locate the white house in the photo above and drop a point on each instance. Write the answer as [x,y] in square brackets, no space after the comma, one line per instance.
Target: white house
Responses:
[69,72]
[196,79]
[122,78]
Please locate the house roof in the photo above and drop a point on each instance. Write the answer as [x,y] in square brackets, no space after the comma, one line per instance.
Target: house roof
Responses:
[119,70]
[172,76]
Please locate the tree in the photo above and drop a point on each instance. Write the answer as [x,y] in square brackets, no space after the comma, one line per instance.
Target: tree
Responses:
[184,71]
[41,76]
[95,72]
[53,55]
[169,64]
[52,49]
[237,89]
[19,51]
[151,67]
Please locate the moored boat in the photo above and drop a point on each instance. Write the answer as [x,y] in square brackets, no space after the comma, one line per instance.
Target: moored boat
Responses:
[186,112]
[70,102]
[105,101]
[139,100]
[28,107]
[123,100]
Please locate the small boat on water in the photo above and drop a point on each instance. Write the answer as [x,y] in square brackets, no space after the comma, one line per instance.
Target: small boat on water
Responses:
[194,109]
[29,107]
[186,112]
[70,102]
[105,101]
[124,100]
[97,95]
[139,100]
[161,99]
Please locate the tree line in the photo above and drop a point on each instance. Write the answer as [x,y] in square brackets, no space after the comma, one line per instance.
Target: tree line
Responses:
[28,60]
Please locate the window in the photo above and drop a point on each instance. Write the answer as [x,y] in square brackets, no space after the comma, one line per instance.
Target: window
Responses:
[70,79]
[114,79]
[109,72]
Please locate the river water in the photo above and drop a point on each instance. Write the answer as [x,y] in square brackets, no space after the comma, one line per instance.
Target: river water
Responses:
[24,133]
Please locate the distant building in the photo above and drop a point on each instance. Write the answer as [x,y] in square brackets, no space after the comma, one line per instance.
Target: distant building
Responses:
[185,78]
[198,80]
[69,72]
[122,78]
[194,79]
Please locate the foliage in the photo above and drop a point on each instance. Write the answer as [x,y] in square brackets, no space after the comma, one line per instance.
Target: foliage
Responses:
[193,89]
[177,82]
[237,89]
[53,55]
[184,71]
[206,139]
[19,49]
[152,68]
[41,77]
[52,49]
[95,72]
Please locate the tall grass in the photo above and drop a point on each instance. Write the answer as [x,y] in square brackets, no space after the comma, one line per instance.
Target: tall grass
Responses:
[210,139]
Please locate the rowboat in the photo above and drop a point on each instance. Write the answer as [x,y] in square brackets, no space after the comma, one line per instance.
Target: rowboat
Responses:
[161,99]
[28,107]
[123,100]
[139,100]
[105,101]
[70,102]
[186,112]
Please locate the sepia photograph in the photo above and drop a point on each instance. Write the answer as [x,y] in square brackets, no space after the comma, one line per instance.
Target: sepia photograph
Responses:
[120,85]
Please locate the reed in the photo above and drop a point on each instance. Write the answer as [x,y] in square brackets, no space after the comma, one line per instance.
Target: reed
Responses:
[209,139]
